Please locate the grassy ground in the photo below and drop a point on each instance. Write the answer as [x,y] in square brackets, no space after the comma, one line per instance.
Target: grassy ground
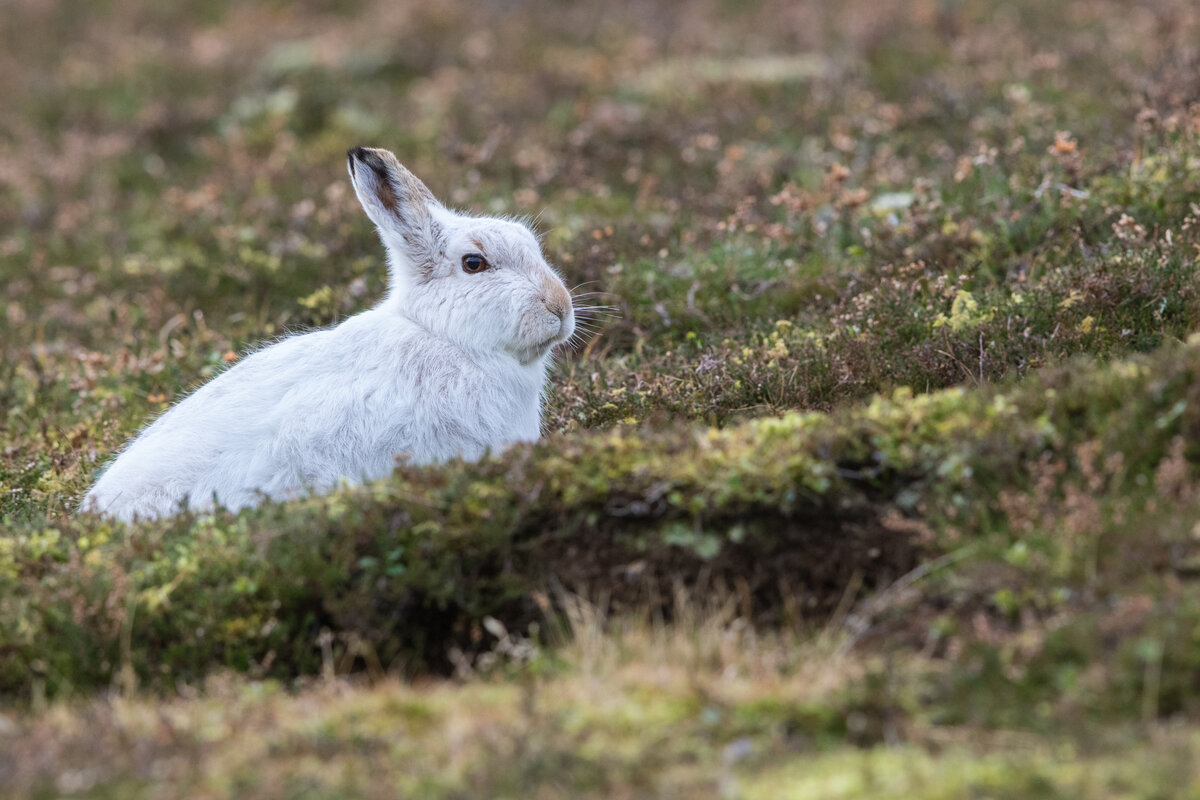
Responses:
[880,482]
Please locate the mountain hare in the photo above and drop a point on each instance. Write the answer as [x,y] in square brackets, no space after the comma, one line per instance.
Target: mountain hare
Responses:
[452,363]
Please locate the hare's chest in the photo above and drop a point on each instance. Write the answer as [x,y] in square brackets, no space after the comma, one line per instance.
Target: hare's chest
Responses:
[493,411]
[462,412]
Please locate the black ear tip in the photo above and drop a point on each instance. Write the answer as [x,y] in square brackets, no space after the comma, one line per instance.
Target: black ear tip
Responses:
[367,157]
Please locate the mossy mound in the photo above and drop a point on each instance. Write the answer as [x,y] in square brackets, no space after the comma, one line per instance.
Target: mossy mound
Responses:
[790,508]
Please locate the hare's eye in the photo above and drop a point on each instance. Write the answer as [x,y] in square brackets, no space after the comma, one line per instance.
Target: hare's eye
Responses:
[474,263]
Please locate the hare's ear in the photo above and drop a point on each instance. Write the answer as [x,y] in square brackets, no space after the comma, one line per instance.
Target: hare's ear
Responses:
[402,208]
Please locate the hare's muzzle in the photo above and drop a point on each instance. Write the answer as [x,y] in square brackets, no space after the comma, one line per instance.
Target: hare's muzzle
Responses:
[556,298]
[557,309]
[558,302]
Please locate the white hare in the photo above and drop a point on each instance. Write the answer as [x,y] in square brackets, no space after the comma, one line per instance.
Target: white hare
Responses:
[452,363]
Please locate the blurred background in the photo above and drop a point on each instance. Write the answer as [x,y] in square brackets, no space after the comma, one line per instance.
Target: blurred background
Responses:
[156,159]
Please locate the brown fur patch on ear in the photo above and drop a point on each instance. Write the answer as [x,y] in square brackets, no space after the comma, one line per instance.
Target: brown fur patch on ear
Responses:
[384,190]
[387,195]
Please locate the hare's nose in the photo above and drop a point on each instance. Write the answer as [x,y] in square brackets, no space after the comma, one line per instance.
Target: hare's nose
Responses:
[556,300]
[556,309]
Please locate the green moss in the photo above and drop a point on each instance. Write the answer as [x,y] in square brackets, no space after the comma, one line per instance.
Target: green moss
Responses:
[914,773]
[408,566]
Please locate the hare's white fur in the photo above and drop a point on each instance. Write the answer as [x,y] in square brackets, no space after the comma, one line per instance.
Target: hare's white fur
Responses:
[450,364]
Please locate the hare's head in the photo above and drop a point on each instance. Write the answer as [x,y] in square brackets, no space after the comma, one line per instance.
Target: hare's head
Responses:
[480,282]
